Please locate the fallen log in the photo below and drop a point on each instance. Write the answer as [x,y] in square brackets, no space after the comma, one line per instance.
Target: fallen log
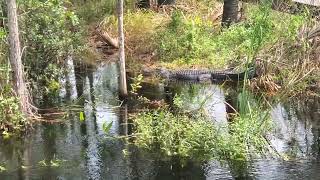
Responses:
[107,38]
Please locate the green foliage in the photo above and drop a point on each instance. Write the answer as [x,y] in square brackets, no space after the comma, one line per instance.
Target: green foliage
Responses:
[82,116]
[3,34]
[50,33]
[107,126]
[187,40]
[52,163]
[140,29]
[247,137]
[190,39]
[173,135]
[198,139]
[2,168]
[3,48]
[136,84]
[11,118]
[178,101]
[96,10]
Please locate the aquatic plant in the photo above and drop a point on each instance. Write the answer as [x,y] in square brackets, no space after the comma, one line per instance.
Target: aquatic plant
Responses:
[199,139]
[52,163]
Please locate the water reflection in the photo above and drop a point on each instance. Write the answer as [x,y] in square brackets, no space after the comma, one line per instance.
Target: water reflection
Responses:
[90,153]
[210,97]
[293,136]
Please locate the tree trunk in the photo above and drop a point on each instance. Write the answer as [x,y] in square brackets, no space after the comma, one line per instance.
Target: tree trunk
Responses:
[166,2]
[15,58]
[230,12]
[143,4]
[123,80]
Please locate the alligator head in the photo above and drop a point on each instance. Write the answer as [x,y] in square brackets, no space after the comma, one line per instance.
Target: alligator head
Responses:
[163,72]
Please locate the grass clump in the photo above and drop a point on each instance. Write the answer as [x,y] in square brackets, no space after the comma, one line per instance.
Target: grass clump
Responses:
[196,138]
[140,27]
[174,135]
[186,41]
[192,40]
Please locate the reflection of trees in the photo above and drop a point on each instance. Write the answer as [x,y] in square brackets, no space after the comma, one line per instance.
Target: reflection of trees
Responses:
[308,111]
[207,97]
[176,169]
[239,169]
[12,156]
[79,70]
[297,130]
[49,145]
[123,118]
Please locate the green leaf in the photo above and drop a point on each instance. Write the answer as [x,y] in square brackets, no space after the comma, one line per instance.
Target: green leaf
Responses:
[54,163]
[106,127]
[43,163]
[81,116]
[6,135]
[2,168]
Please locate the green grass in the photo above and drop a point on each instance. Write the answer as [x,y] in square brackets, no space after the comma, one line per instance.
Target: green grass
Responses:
[193,41]
[177,134]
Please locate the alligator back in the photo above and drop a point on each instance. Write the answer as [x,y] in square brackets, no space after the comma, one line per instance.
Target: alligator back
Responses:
[233,76]
[203,75]
[192,74]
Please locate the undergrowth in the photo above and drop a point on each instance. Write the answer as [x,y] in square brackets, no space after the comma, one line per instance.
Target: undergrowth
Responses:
[187,37]
[11,117]
[193,41]
[176,134]
[199,139]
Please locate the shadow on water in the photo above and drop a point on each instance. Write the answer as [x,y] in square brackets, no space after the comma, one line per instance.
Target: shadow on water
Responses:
[77,149]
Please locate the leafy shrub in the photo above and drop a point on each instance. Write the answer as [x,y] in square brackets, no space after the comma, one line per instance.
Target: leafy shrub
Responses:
[50,33]
[11,118]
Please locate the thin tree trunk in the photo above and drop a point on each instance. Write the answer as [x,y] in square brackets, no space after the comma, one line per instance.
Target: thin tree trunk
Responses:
[123,80]
[15,58]
[230,12]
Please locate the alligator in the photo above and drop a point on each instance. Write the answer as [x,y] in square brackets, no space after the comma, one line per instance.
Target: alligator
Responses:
[205,75]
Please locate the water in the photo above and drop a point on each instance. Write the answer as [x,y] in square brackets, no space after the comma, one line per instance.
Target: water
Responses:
[77,150]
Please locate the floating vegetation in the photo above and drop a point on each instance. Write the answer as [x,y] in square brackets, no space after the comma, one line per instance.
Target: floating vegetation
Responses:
[52,163]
